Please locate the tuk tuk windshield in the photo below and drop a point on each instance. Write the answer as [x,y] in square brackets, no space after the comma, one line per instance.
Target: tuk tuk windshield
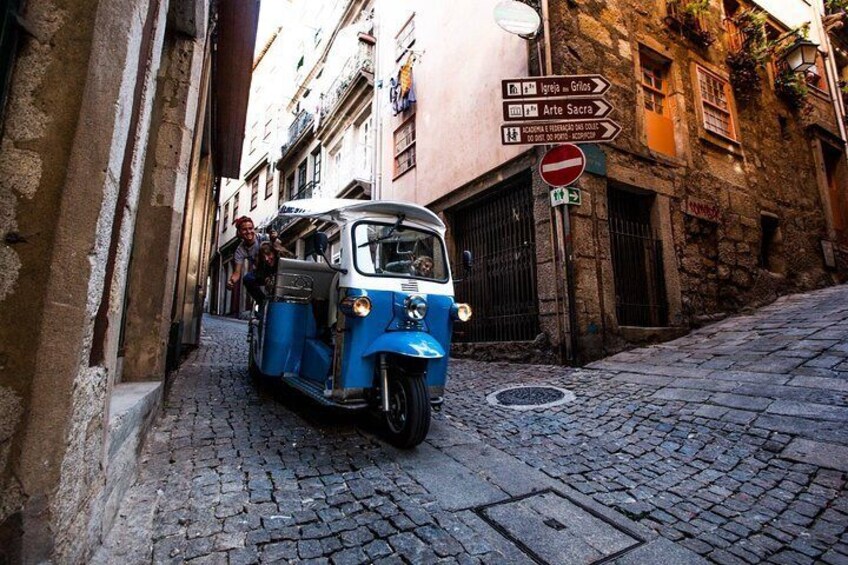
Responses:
[389,250]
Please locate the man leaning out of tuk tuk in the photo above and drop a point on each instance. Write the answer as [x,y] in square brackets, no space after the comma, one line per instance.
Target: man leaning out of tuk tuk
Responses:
[248,249]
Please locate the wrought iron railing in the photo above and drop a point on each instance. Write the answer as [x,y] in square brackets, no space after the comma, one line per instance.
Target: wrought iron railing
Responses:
[363,60]
[306,191]
[300,124]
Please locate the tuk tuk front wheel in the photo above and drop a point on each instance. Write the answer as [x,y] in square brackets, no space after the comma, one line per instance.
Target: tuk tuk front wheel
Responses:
[408,418]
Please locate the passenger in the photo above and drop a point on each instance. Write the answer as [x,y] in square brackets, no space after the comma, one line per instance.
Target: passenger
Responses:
[266,265]
[248,250]
[423,267]
[271,232]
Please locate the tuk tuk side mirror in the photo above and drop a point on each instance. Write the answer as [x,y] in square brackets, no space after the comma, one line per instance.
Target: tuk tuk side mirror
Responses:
[320,243]
[467,260]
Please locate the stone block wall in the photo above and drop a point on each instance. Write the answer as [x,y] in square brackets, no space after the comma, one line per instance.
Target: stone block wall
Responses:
[714,265]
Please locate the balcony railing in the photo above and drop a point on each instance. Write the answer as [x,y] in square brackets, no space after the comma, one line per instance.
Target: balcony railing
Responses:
[692,23]
[363,60]
[356,167]
[301,123]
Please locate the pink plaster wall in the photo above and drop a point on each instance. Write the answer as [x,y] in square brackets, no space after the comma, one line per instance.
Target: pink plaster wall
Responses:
[464,57]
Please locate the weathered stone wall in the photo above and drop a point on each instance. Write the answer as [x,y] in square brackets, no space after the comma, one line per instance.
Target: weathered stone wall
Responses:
[42,108]
[714,264]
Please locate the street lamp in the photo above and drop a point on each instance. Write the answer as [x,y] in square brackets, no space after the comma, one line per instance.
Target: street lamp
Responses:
[517,18]
[801,55]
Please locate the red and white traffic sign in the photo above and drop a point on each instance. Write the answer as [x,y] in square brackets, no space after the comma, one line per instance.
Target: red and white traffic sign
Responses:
[562,165]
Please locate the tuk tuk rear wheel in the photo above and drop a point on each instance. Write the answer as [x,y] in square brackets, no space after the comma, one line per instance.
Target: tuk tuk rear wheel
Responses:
[408,418]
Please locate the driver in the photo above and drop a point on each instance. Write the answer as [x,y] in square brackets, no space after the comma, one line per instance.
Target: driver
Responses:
[423,267]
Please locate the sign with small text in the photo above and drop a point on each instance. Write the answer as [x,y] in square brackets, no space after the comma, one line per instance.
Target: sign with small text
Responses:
[566,195]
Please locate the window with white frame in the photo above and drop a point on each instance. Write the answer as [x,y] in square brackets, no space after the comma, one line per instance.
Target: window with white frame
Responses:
[269,181]
[405,146]
[365,136]
[715,103]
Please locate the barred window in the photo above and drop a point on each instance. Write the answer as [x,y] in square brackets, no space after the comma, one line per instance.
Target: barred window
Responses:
[405,147]
[226,223]
[715,101]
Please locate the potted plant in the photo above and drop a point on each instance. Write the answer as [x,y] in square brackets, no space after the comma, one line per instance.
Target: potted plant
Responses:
[689,18]
[791,87]
[748,60]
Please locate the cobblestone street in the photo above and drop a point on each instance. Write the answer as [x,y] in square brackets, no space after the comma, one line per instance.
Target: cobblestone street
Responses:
[729,444]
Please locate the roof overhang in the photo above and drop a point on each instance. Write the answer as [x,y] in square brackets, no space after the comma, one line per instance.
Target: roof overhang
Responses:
[342,210]
[232,63]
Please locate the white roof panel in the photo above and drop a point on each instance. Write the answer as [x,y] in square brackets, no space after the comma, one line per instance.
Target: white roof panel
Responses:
[339,209]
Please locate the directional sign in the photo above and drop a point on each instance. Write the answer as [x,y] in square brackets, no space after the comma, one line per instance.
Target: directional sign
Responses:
[562,165]
[576,131]
[561,109]
[553,86]
[566,195]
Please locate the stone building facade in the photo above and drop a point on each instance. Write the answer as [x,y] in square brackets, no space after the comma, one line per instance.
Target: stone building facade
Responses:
[710,201]
[115,127]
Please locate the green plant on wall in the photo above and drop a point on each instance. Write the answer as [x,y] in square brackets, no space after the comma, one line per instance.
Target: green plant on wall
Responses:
[688,17]
[791,87]
[746,63]
[835,6]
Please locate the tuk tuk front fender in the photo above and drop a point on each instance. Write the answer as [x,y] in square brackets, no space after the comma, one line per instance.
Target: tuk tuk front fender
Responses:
[411,344]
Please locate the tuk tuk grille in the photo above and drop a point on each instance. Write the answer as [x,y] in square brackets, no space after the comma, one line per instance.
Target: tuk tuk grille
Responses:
[411,286]
[499,230]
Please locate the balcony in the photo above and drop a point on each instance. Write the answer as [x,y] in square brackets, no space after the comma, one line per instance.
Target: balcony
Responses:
[689,18]
[302,122]
[359,65]
[351,175]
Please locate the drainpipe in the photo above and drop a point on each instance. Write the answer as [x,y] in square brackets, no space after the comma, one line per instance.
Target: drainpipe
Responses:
[562,224]
[377,155]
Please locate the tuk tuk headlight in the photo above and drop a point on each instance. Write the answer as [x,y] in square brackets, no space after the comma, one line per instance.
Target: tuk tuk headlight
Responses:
[416,307]
[461,312]
[359,306]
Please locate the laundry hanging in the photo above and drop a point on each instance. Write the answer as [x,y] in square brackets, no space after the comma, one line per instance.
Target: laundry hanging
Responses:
[402,88]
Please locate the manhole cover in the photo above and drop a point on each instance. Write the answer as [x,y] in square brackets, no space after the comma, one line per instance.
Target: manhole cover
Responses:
[530,397]
[552,528]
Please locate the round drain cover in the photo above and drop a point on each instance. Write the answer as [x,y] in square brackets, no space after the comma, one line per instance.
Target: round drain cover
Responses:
[530,397]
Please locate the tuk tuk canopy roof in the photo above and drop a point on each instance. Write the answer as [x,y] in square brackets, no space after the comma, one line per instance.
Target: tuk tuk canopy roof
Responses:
[339,209]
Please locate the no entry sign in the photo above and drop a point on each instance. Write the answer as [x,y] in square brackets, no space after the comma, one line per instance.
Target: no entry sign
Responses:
[562,165]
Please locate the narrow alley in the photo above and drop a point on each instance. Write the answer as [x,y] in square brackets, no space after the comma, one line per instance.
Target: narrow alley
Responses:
[729,443]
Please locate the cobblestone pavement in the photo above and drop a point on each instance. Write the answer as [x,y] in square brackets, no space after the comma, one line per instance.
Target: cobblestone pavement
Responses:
[730,443]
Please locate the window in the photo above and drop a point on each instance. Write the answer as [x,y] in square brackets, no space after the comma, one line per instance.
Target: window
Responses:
[715,103]
[301,179]
[252,147]
[269,181]
[254,192]
[288,191]
[365,140]
[316,167]
[269,121]
[405,147]
[226,223]
[815,75]
[405,38]
[235,204]
[659,126]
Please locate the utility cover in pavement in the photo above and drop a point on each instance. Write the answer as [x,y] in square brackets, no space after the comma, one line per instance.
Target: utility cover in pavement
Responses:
[550,528]
[530,397]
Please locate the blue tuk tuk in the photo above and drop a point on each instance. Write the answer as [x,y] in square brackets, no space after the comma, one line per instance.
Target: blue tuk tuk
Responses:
[371,327]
